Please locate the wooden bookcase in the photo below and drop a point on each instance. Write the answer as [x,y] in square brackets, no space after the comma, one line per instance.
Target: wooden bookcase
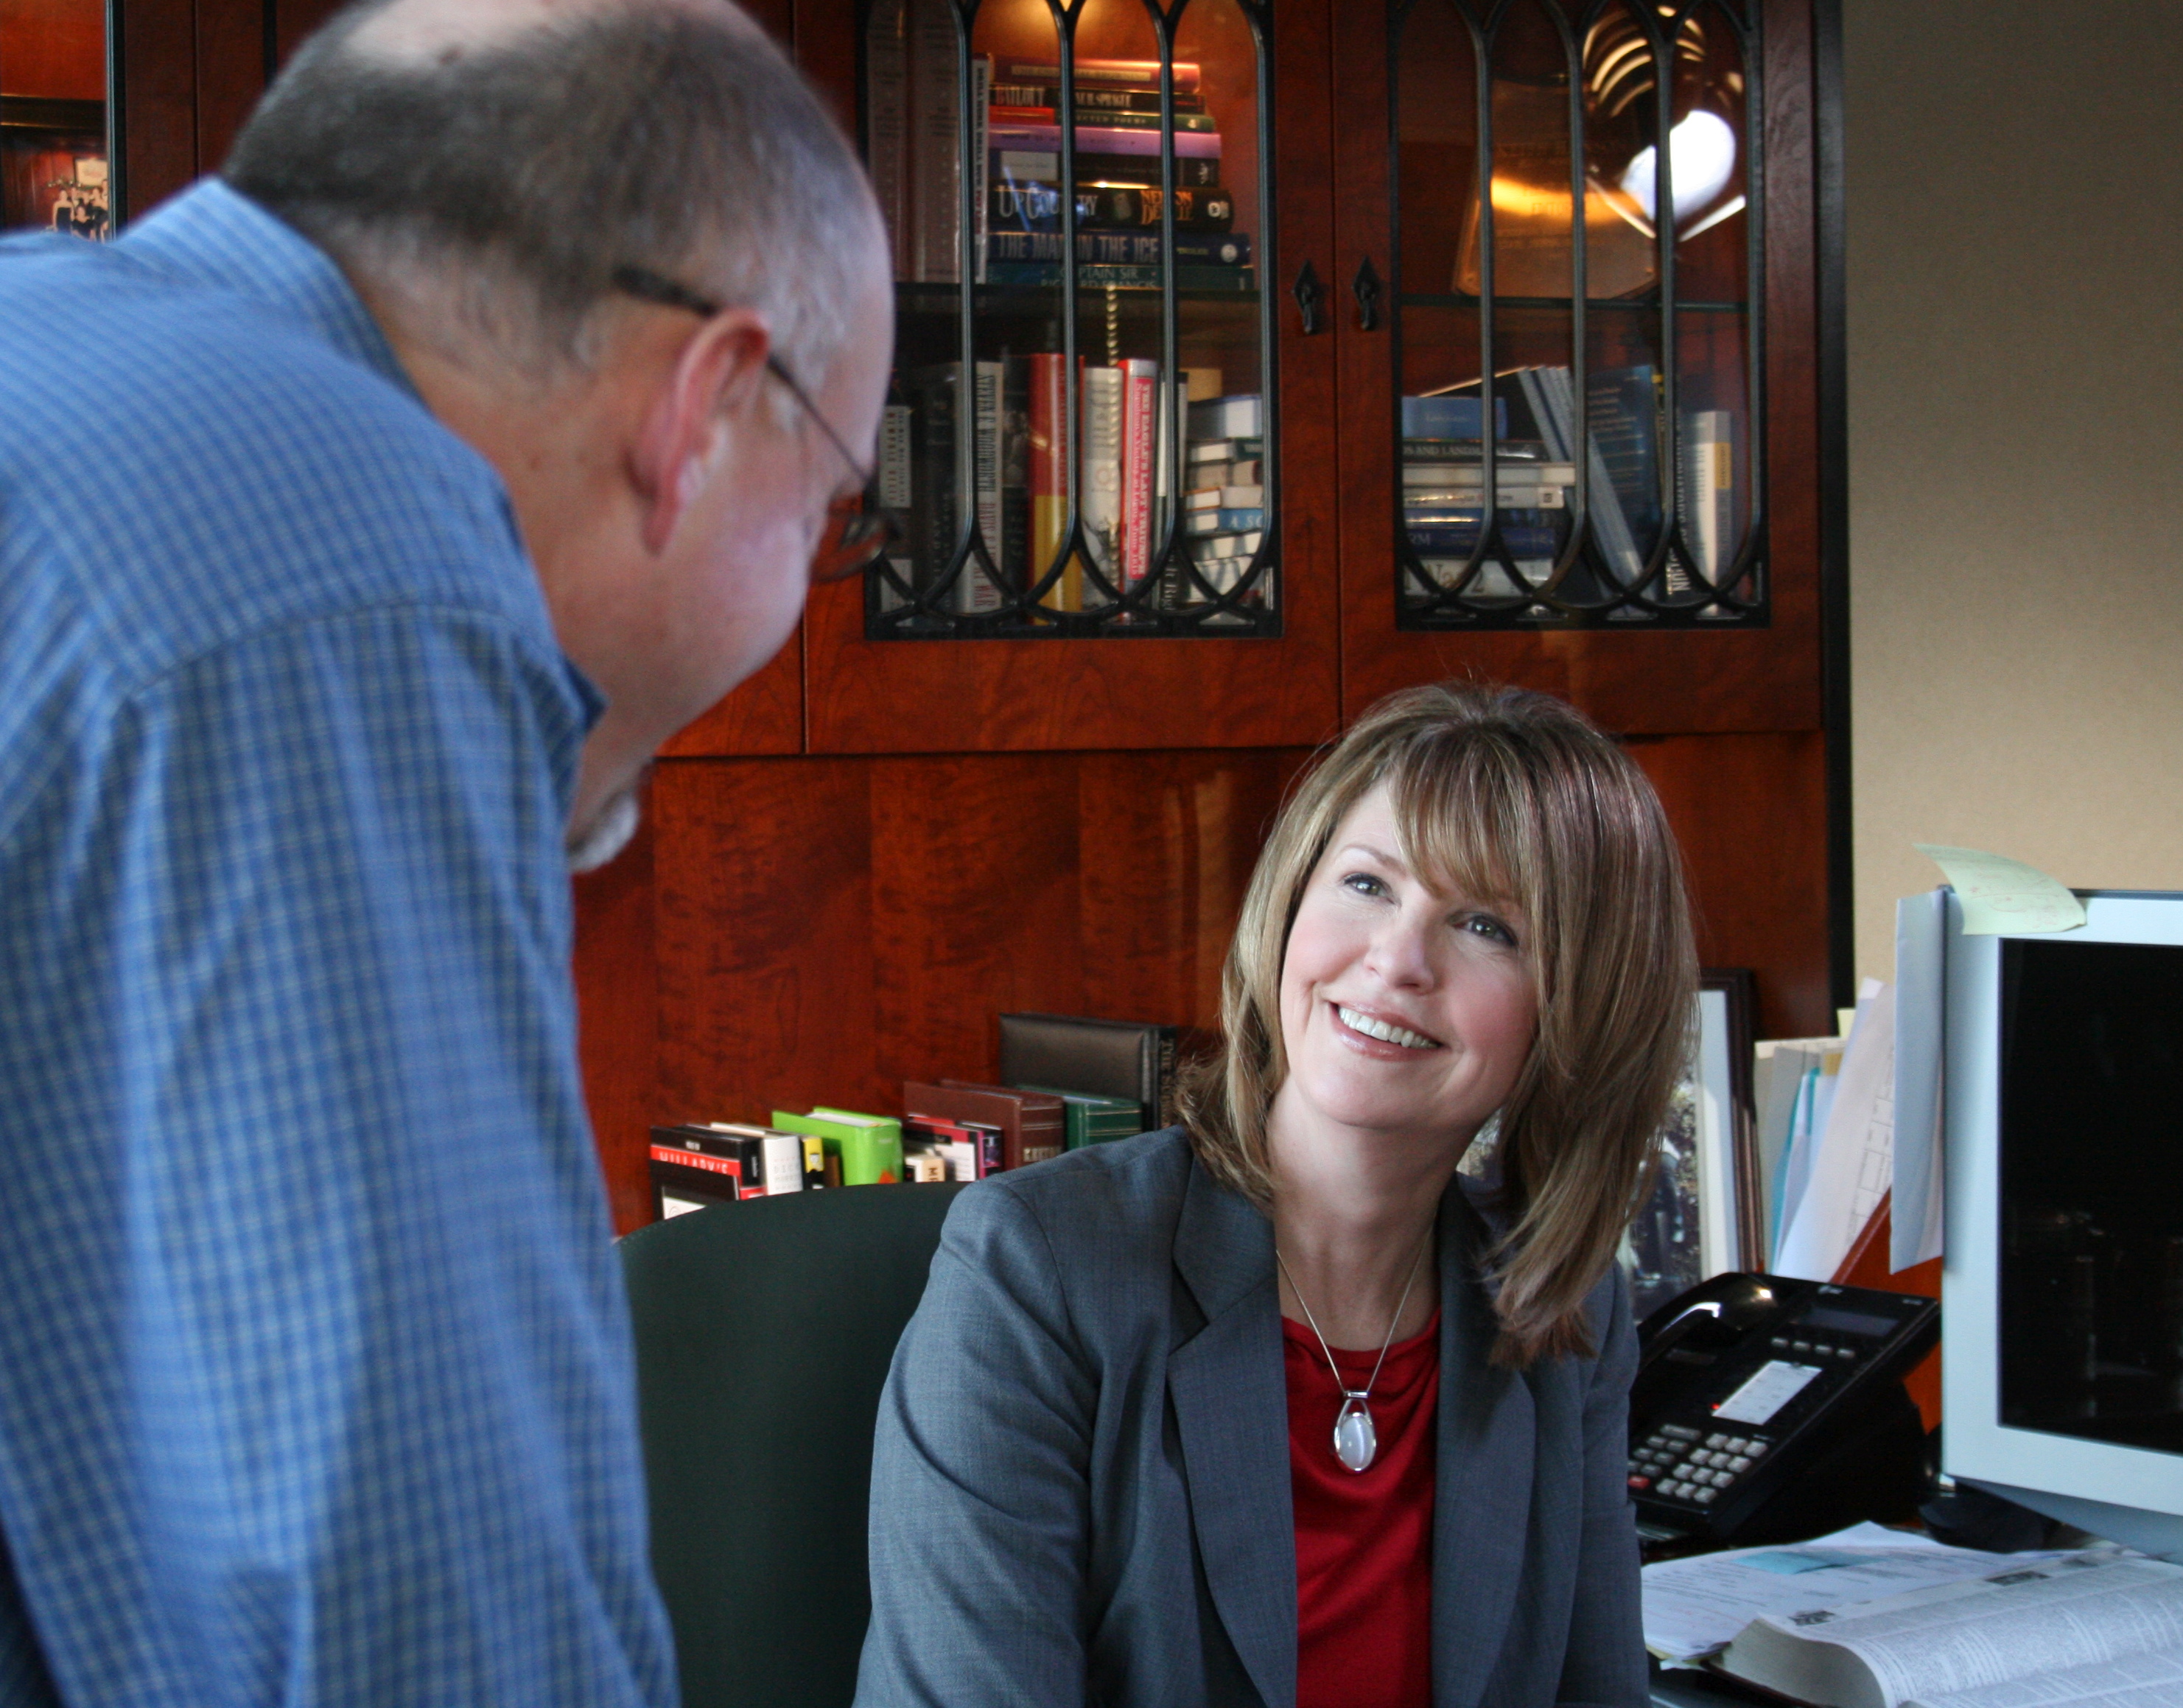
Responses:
[867,851]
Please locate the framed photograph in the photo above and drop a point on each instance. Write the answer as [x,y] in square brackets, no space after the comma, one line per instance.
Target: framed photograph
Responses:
[1702,1217]
[52,166]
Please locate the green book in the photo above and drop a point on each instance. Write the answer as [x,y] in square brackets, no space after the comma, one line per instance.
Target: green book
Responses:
[868,1146]
[1089,1119]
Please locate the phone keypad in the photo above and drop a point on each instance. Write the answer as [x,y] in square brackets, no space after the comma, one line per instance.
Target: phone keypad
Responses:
[1676,1462]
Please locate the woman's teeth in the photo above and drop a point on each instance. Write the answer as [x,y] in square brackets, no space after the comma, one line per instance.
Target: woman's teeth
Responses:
[1384,1031]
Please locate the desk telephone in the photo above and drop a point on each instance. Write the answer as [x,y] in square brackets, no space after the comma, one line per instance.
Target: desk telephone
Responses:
[1767,1408]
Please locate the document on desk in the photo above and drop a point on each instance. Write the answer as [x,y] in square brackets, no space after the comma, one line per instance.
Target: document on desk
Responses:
[1854,1164]
[1693,1607]
[2061,1623]
[1921,923]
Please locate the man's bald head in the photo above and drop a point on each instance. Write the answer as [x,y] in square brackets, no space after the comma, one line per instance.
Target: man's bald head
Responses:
[519,151]
[423,31]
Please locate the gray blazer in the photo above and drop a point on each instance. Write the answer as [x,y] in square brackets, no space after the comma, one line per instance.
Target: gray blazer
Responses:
[1080,1486]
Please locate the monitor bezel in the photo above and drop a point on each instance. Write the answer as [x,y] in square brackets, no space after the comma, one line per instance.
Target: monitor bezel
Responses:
[1976,1444]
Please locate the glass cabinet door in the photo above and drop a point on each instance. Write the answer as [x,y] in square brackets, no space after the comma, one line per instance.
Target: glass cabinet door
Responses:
[53,152]
[1079,442]
[1539,147]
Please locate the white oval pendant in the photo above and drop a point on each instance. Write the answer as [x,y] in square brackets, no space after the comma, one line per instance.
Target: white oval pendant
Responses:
[1356,1442]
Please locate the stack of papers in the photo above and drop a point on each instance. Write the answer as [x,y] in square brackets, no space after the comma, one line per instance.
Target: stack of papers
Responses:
[1696,1607]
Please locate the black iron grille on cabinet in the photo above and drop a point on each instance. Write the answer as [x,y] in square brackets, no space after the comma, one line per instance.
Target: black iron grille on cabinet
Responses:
[1081,436]
[1577,258]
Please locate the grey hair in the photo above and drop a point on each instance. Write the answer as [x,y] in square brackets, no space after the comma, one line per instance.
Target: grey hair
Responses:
[519,173]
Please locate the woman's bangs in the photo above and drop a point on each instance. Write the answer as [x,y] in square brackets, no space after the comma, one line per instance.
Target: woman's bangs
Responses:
[1462,826]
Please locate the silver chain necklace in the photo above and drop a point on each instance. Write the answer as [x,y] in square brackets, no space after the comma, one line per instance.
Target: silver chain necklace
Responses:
[1356,1441]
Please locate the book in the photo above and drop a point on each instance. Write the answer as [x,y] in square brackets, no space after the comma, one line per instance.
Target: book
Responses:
[1099,74]
[1048,471]
[1140,384]
[677,1189]
[1097,118]
[1458,450]
[1449,416]
[1506,496]
[1096,141]
[1236,521]
[1092,98]
[1134,1059]
[2098,1627]
[972,1151]
[1099,479]
[1228,545]
[937,153]
[1089,1120]
[868,1146]
[1029,1122]
[729,1150]
[1129,248]
[1225,450]
[1421,473]
[1108,166]
[1705,489]
[1094,275]
[1240,417]
[1030,205]
[1248,471]
[887,125]
[1225,498]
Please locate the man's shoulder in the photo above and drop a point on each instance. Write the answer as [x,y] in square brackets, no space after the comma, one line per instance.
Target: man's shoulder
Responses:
[198,468]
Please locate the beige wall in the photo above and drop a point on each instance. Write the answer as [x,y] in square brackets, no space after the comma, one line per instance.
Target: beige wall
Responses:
[2015,341]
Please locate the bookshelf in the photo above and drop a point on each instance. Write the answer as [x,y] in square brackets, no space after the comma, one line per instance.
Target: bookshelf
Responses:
[879,842]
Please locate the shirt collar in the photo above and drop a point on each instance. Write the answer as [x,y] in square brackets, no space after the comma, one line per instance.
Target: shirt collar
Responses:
[211,235]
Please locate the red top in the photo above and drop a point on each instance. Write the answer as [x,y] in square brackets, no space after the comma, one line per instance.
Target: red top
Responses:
[1364,1541]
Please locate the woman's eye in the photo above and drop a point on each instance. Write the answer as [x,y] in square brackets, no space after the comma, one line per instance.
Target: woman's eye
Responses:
[1485,925]
[1364,884]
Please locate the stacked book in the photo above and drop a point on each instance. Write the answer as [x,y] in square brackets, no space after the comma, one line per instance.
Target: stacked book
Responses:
[917,154]
[719,1162]
[1444,505]
[1119,134]
[1223,501]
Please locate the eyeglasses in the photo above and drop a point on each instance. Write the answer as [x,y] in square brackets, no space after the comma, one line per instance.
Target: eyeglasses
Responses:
[859,530]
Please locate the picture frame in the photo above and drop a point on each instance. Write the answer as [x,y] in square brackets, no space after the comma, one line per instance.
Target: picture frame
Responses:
[1702,1216]
[53,167]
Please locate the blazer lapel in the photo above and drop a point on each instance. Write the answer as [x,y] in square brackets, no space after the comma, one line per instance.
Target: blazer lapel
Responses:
[1482,1475]
[1231,1412]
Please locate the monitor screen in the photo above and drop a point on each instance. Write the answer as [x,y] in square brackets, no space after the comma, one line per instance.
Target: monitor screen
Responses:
[2091,1095]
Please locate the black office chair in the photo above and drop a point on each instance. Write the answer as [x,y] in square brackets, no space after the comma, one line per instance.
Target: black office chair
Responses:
[763,1331]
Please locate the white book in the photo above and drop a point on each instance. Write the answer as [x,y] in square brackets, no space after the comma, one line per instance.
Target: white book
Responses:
[1225,498]
[1706,490]
[1205,450]
[1099,476]
[1471,475]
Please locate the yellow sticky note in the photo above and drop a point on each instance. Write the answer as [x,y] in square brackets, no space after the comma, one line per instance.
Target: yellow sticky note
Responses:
[2004,896]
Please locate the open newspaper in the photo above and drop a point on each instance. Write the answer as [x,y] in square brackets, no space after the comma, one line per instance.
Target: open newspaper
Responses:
[2099,1629]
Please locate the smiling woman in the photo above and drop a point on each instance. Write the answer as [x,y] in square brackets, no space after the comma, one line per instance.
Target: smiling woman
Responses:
[1275,1407]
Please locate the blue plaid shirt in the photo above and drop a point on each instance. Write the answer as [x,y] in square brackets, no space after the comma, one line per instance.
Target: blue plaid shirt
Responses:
[315,1385]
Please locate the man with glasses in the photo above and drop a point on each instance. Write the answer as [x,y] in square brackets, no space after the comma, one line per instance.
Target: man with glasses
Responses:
[479,429]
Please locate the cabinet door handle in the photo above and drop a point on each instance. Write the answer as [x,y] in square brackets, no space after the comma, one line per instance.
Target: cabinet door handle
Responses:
[1366,284]
[1308,296]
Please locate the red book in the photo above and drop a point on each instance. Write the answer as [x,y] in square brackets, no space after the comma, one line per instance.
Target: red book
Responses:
[1139,421]
[1030,1121]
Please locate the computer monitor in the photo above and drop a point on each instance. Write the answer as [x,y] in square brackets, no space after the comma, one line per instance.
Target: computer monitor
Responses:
[2063,1276]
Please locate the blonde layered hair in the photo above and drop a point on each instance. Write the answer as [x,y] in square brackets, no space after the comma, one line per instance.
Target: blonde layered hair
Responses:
[1510,796]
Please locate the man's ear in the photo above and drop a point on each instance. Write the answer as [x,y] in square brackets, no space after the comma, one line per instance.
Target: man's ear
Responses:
[717,372]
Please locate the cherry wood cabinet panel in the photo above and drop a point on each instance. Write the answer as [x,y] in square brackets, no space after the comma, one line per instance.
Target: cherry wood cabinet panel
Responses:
[1750,811]
[1762,678]
[157,56]
[1106,694]
[764,716]
[54,50]
[618,1020]
[826,928]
